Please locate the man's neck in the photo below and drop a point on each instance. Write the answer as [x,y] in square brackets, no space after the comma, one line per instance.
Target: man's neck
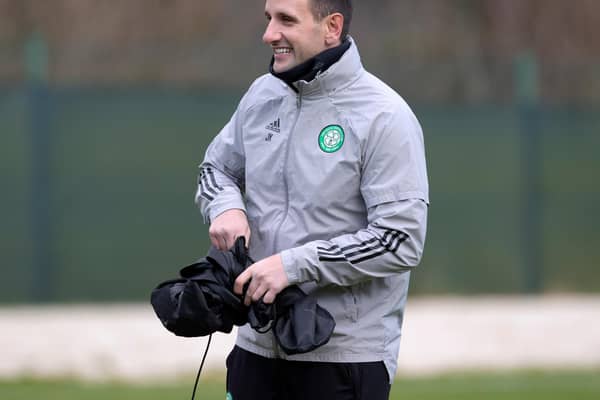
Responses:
[308,70]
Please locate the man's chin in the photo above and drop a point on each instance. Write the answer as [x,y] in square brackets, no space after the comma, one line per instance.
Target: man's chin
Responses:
[280,68]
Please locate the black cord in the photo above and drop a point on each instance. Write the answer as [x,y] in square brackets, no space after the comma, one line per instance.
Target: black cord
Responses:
[201,365]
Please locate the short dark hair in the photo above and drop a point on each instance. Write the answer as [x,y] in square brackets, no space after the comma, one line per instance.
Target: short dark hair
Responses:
[323,8]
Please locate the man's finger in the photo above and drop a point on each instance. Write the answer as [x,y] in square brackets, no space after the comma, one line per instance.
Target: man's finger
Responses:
[238,286]
[214,241]
[217,238]
[255,296]
[269,297]
[247,236]
[229,241]
[222,243]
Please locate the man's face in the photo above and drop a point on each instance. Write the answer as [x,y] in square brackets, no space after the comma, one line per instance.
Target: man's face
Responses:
[293,33]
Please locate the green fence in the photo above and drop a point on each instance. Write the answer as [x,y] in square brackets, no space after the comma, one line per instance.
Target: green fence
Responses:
[98,184]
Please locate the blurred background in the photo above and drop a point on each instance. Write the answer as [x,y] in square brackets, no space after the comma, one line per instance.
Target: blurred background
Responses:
[106,109]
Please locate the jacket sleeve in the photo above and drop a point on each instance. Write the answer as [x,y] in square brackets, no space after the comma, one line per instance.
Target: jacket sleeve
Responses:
[395,189]
[221,176]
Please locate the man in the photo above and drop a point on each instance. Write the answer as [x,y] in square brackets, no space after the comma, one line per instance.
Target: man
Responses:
[322,169]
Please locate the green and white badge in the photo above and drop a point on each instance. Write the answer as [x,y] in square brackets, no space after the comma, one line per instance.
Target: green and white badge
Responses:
[331,138]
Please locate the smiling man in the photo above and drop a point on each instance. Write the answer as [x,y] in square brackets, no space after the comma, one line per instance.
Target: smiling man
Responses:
[298,31]
[322,169]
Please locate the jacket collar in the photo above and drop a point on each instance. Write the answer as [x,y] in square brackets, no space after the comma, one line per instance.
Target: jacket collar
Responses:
[308,70]
[339,75]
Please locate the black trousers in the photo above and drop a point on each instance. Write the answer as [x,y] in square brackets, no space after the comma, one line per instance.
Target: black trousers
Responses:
[252,377]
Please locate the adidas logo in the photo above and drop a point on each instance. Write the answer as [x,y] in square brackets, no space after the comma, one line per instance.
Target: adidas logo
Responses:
[274,126]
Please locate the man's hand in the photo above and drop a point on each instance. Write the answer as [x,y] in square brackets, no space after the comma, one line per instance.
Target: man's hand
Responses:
[227,227]
[267,278]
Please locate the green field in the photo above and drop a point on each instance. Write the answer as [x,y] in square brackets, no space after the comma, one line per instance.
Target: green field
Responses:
[492,386]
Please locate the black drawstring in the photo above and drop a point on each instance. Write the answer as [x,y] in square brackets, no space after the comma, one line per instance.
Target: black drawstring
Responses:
[201,364]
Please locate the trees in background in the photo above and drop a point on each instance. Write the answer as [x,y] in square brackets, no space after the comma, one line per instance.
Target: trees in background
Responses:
[462,49]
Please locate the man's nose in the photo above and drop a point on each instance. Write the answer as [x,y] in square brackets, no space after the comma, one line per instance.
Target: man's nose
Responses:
[271,34]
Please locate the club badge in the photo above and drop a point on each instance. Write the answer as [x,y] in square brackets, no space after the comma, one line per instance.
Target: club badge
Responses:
[331,138]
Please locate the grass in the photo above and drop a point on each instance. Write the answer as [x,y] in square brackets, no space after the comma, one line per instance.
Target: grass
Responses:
[581,385]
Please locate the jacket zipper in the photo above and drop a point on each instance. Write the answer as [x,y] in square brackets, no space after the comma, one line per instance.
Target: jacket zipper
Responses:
[286,186]
[285,162]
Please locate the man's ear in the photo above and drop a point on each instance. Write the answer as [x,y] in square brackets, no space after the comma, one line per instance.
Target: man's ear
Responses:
[334,24]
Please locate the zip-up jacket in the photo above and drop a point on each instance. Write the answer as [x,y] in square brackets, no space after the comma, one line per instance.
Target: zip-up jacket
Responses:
[333,178]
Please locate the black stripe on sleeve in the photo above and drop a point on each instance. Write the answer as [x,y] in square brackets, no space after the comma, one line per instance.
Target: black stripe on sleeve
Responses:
[390,242]
[213,180]
[332,254]
[355,246]
[333,247]
[206,196]
[370,256]
[328,252]
[368,249]
[393,247]
[206,185]
[332,259]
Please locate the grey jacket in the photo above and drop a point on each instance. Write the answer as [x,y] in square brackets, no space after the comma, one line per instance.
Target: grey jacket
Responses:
[334,179]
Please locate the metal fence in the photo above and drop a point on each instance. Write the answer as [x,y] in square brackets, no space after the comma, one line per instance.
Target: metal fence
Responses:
[98,184]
